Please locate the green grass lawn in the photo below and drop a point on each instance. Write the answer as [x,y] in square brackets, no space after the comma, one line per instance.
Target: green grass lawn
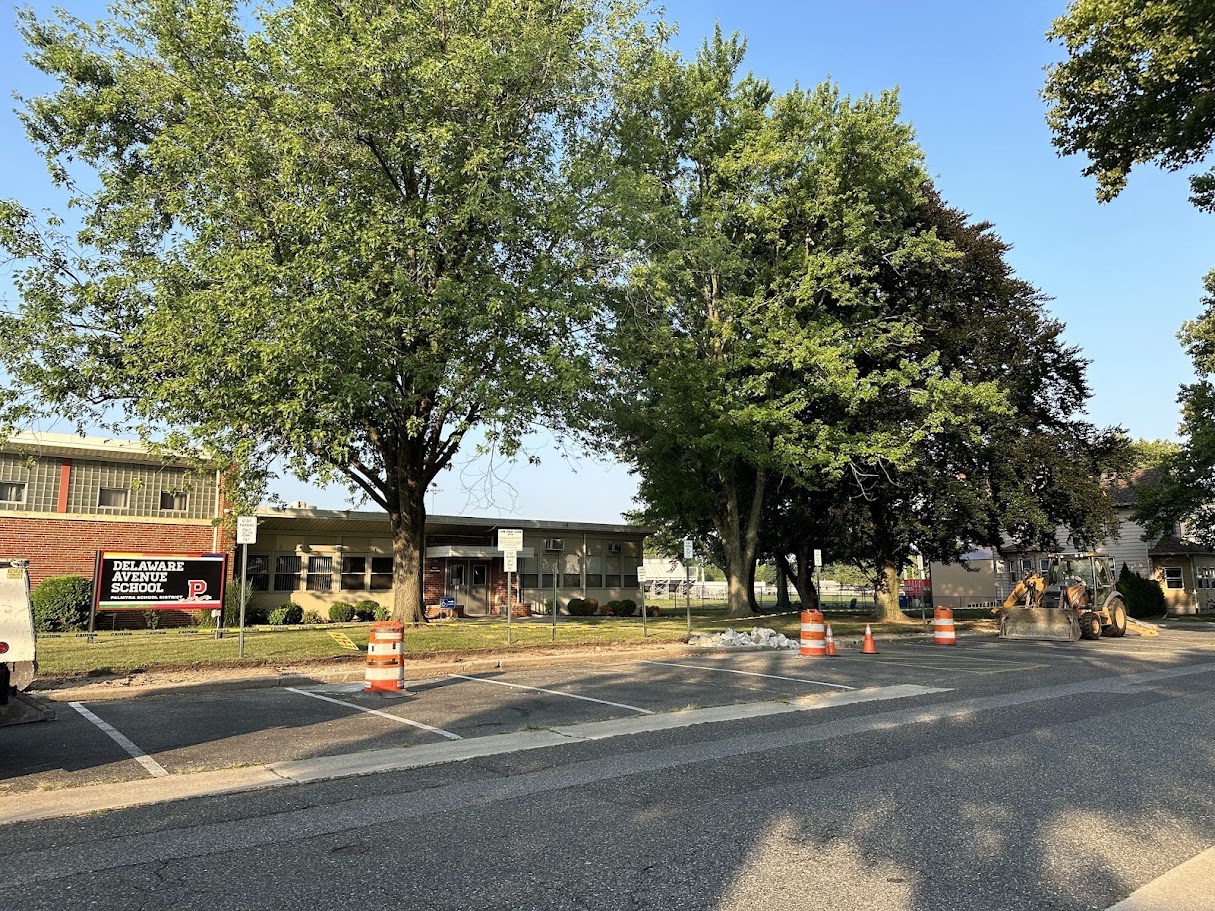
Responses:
[69,655]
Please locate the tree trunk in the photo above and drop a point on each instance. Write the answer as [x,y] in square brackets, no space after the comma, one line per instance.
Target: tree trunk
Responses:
[804,579]
[784,572]
[408,524]
[888,590]
[740,541]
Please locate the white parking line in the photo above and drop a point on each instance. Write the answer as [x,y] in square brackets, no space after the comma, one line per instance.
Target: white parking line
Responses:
[730,670]
[350,705]
[153,767]
[540,689]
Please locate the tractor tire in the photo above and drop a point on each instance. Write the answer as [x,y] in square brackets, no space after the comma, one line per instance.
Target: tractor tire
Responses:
[1116,628]
[1090,626]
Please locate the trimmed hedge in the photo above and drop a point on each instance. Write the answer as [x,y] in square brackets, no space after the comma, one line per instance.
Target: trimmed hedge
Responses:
[288,614]
[61,604]
[578,607]
[368,610]
[341,612]
[628,607]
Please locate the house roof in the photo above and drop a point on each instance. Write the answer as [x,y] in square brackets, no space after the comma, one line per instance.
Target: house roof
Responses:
[1121,488]
[1171,545]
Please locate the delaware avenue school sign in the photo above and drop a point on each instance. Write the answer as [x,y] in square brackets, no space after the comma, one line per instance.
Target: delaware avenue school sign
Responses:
[146,581]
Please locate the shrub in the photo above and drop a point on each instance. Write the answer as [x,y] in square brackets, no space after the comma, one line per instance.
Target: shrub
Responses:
[628,607]
[1144,597]
[62,603]
[286,614]
[313,617]
[383,613]
[592,605]
[367,610]
[577,607]
[341,612]
[614,607]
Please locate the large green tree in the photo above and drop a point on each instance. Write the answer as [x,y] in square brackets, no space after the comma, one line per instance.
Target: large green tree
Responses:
[1136,88]
[757,315]
[342,233]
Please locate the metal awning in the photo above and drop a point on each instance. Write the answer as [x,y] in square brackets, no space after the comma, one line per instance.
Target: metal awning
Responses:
[473,551]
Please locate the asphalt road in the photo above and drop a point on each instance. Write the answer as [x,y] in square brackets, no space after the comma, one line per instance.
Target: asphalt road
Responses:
[992,775]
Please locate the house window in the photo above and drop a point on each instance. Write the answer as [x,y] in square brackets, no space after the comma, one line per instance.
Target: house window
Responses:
[287,574]
[381,574]
[354,574]
[320,574]
[113,497]
[1172,577]
[177,502]
[1044,565]
[11,492]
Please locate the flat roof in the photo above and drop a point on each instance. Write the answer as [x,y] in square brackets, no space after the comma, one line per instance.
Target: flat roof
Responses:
[70,445]
[348,520]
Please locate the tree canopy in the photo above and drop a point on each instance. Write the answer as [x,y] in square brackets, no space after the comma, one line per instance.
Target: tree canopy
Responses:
[1135,88]
[340,234]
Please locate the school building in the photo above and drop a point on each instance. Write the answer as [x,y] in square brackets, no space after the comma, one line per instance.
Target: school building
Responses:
[64,497]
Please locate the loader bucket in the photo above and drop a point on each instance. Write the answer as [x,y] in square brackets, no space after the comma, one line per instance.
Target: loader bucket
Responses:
[1039,623]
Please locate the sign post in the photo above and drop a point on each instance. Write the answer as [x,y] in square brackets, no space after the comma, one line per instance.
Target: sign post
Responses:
[510,542]
[246,534]
[644,607]
[687,555]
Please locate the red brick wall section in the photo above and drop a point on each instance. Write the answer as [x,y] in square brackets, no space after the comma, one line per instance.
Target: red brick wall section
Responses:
[57,547]
[434,576]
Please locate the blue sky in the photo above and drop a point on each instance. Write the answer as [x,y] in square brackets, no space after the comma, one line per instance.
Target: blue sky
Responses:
[1123,276]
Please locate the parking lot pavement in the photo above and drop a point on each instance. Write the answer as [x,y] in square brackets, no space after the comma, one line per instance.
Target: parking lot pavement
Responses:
[194,731]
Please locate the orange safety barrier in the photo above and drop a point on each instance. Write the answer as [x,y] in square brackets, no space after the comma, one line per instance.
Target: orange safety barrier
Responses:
[814,641]
[942,627]
[831,650]
[869,647]
[385,658]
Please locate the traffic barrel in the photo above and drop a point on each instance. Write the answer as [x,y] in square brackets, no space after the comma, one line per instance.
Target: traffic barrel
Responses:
[814,640]
[385,658]
[942,627]
[868,647]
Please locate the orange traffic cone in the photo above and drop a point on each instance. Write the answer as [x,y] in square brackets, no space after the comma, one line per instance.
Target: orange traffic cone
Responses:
[868,648]
[831,652]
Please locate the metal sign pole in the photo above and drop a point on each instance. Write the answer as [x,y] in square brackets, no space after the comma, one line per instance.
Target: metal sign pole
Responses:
[554,601]
[244,576]
[508,610]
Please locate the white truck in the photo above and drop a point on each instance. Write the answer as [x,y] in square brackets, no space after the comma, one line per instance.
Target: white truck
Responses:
[18,646]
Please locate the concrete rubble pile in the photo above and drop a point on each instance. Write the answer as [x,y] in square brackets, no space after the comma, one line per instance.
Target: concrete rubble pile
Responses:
[758,637]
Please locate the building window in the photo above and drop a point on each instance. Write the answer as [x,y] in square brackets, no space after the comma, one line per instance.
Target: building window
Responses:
[354,574]
[176,502]
[381,574]
[612,577]
[594,571]
[259,572]
[320,574]
[113,497]
[287,574]
[571,572]
[12,492]
[1172,577]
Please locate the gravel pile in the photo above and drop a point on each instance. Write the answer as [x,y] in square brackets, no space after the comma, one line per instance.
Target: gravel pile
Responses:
[758,637]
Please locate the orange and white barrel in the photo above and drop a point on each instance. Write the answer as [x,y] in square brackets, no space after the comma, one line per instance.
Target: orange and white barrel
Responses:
[385,658]
[814,634]
[942,627]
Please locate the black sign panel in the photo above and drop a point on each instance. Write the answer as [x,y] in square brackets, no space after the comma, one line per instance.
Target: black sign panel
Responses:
[146,581]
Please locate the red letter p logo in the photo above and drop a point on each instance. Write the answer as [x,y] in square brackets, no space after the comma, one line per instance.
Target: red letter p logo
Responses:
[196,588]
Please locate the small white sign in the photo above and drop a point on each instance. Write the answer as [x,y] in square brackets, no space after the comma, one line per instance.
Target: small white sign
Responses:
[510,563]
[510,540]
[246,529]
[818,558]
[641,574]
[687,548]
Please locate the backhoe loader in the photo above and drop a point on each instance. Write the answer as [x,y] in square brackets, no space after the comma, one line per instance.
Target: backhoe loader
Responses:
[1075,599]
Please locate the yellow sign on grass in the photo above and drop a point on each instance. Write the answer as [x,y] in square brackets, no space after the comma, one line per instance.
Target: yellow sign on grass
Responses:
[344,641]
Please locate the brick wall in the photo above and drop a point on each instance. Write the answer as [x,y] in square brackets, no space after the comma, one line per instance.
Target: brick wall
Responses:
[56,547]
